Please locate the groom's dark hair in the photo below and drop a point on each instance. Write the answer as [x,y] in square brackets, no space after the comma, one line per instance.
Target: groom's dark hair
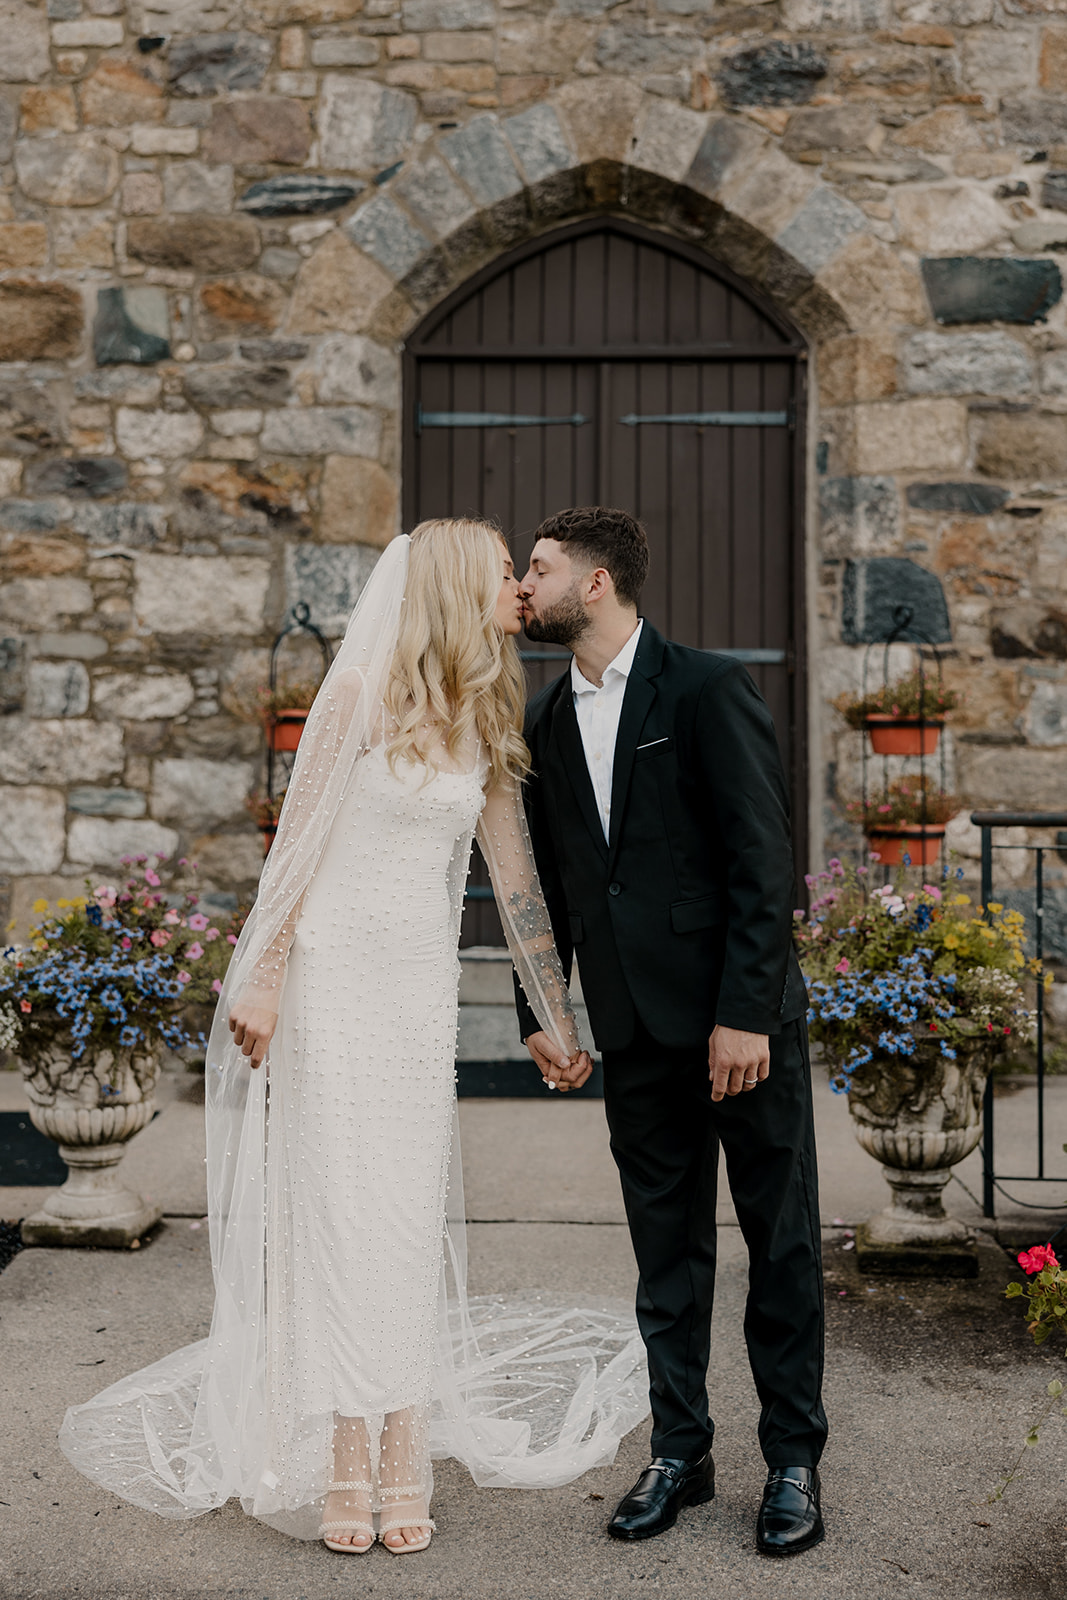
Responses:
[601,537]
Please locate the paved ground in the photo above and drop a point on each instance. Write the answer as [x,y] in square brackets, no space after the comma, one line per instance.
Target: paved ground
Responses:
[929,1390]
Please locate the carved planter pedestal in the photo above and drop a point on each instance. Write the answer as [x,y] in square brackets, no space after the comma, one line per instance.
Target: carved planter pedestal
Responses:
[91,1110]
[919,1118]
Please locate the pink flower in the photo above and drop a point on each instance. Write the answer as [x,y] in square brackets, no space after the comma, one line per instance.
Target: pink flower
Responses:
[216,986]
[932,890]
[1038,1256]
[195,951]
[211,935]
[798,916]
[151,878]
[231,938]
[883,809]
[185,977]
[842,965]
[25,1007]
[160,938]
[125,943]
[171,917]
[198,922]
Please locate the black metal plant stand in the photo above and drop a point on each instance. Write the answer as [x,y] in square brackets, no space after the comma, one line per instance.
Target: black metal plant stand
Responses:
[299,621]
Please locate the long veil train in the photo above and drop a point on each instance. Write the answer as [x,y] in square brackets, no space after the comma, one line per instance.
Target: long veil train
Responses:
[528,1392]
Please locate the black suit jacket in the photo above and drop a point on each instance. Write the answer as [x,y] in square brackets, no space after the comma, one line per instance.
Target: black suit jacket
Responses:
[683,918]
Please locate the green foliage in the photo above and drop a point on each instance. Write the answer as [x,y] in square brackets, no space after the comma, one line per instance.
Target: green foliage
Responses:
[906,699]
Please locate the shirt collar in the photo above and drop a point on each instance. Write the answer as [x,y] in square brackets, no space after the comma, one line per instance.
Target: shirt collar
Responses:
[622,663]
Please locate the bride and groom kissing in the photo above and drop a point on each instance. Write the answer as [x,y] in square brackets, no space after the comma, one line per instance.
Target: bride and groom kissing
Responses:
[636,821]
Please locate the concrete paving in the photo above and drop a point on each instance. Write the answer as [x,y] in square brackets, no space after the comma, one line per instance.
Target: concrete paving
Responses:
[930,1389]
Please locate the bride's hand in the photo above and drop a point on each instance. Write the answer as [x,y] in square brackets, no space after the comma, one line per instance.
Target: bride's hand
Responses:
[252,1028]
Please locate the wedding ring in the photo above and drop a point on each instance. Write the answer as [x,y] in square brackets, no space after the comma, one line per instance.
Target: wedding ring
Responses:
[750,1083]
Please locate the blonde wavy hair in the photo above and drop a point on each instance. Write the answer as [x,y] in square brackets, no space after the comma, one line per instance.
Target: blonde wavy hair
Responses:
[455,670]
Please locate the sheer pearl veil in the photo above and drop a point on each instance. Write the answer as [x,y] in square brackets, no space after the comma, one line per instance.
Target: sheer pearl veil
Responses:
[528,1393]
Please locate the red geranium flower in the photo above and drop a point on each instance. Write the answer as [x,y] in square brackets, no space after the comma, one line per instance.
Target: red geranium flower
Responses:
[1037,1257]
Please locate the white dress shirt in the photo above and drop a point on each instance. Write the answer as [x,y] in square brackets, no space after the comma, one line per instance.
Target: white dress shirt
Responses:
[598,712]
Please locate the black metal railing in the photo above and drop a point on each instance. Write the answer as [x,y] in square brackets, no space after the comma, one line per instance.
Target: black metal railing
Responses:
[988,821]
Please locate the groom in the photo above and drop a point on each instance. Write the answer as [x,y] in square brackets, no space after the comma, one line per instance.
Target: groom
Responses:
[658,812]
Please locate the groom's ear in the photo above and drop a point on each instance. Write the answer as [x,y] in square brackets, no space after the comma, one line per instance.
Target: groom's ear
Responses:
[598,585]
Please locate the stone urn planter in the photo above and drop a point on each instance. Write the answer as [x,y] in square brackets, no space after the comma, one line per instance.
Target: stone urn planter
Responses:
[919,1117]
[92,1108]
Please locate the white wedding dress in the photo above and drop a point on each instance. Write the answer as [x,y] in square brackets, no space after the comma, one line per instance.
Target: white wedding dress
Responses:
[341,1316]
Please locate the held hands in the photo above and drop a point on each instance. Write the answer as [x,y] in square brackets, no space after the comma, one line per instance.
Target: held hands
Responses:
[252,1028]
[558,1070]
[737,1061]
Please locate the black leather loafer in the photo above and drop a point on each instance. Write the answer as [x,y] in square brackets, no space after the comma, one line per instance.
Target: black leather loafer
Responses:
[790,1518]
[653,1504]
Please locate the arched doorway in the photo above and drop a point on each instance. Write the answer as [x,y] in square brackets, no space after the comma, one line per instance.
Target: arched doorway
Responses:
[607,364]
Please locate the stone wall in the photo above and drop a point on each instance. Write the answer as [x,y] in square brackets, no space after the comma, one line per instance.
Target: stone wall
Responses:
[219,221]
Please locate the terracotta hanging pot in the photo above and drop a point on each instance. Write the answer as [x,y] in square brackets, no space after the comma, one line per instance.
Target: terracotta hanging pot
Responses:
[268,830]
[284,729]
[902,736]
[899,839]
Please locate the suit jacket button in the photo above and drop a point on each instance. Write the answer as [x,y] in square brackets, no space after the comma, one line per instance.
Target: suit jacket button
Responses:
[614,888]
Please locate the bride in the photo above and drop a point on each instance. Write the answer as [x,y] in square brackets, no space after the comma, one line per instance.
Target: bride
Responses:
[344,1352]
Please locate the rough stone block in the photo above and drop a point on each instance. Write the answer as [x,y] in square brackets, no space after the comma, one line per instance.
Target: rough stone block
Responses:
[669,138]
[23,244]
[198,186]
[323,430]
[24,29]
[427,16]
[363,125]
[237,386]
[92,33]
[214,63]
[874,592]
[479,155]
[339,289]
[135,524]
[233,424]
[56,689]
[968,363]
[599,115]
[220,595]
[991,289]
[142,697]
[258,130]
[329,578]
[142,194]
[358,501]
[779,73]
[770,194]
[1026,446]
[960,217]
[132,324]
[434,198]
[199,794]
[59,750]
[1029,780]
[1046,714]
[51,602]
[279,263]
[208,244]
[33,516]
[103,842]
[39,321]
[166,435]
[180,140]
[91,801]
[299,196]
[384,231]
[638,46]
[84,239]
[249,303]
[830,128]
[872,286]
[43,110]
[350,367]
[860,516]
[31,829]
[117,94]
[976,499]
[1054,191]
[71,169]
[821,227]
[90,476]
[728,145]
[1052,68]
[8,125]
[910,436]
[344,51]
[538,139]
[805,16]
[1035,120]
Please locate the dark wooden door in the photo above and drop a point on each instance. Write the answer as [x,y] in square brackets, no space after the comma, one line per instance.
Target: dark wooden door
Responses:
[604,364]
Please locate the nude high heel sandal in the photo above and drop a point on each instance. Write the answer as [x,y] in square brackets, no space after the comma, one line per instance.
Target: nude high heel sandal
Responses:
[395,1522]
[348,1524]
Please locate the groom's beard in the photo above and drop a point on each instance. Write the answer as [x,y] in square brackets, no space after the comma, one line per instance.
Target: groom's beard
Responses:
[564,623]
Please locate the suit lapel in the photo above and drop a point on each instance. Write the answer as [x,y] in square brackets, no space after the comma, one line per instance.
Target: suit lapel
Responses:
[636,704]
[571,753]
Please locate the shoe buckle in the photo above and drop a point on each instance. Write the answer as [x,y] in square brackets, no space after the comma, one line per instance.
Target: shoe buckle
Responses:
[797,1483]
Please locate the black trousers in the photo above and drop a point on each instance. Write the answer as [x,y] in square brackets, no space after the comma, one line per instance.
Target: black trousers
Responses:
[665,1137]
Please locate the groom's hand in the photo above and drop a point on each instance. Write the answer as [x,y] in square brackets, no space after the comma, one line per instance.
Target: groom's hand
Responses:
[737,1061]
[554,1066]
